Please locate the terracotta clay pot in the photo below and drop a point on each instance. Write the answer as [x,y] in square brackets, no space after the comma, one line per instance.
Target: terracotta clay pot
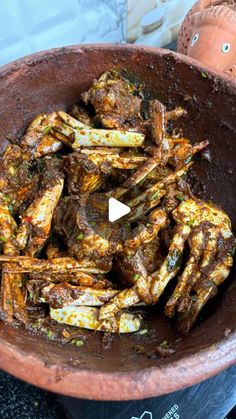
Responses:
[53,80]
[208,34]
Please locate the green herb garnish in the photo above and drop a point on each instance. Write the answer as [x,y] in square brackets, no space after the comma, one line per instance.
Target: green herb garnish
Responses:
[127,226]
[191,223]
[204,75]
[48,333]
[3,239]
[9,303]
[6,198]
[136,277]
[30,296]
[155,195]
[80,236]
[180,198]
[47,129]
[142,181]
[164,344]
[77,342]
[65,127]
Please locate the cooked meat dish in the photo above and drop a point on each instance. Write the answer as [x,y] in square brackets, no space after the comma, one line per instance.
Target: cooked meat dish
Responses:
[61,257]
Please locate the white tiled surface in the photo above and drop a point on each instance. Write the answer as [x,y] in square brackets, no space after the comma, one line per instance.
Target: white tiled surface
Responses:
[27,26]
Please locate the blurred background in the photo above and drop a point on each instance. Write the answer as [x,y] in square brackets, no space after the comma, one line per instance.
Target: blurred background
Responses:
[155,22]
[27,26]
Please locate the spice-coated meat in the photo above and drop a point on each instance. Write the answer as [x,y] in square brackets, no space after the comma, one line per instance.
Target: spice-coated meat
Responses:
[115,100]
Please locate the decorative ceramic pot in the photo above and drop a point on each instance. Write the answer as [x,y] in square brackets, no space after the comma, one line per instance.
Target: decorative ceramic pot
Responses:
[208,34]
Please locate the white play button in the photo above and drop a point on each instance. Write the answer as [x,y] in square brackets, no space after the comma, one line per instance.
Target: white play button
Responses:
[117,210]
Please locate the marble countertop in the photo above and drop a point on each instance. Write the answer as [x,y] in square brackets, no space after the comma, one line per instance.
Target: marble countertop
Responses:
[27,26]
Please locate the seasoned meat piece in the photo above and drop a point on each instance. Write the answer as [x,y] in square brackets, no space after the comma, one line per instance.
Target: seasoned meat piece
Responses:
[170,200]
[166,237]
[115,100]
[76,278]
[158,122]
[34,288]
[151,255]
[59,295]
[129,267]
[83,174]
[35,225]
[87,172]
[17,182]
[79,112]
[84,224]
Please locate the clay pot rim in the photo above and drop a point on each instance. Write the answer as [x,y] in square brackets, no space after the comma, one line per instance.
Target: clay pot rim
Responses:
[131,385]
[31,59]
[102,385]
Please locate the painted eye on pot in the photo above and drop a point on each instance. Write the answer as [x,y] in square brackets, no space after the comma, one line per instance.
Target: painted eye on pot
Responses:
[195,39]
[225,47]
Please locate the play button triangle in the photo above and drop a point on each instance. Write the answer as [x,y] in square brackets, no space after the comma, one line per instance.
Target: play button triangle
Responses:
[117,210]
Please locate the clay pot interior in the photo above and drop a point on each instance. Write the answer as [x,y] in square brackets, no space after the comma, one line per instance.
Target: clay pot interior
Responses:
[53,80]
